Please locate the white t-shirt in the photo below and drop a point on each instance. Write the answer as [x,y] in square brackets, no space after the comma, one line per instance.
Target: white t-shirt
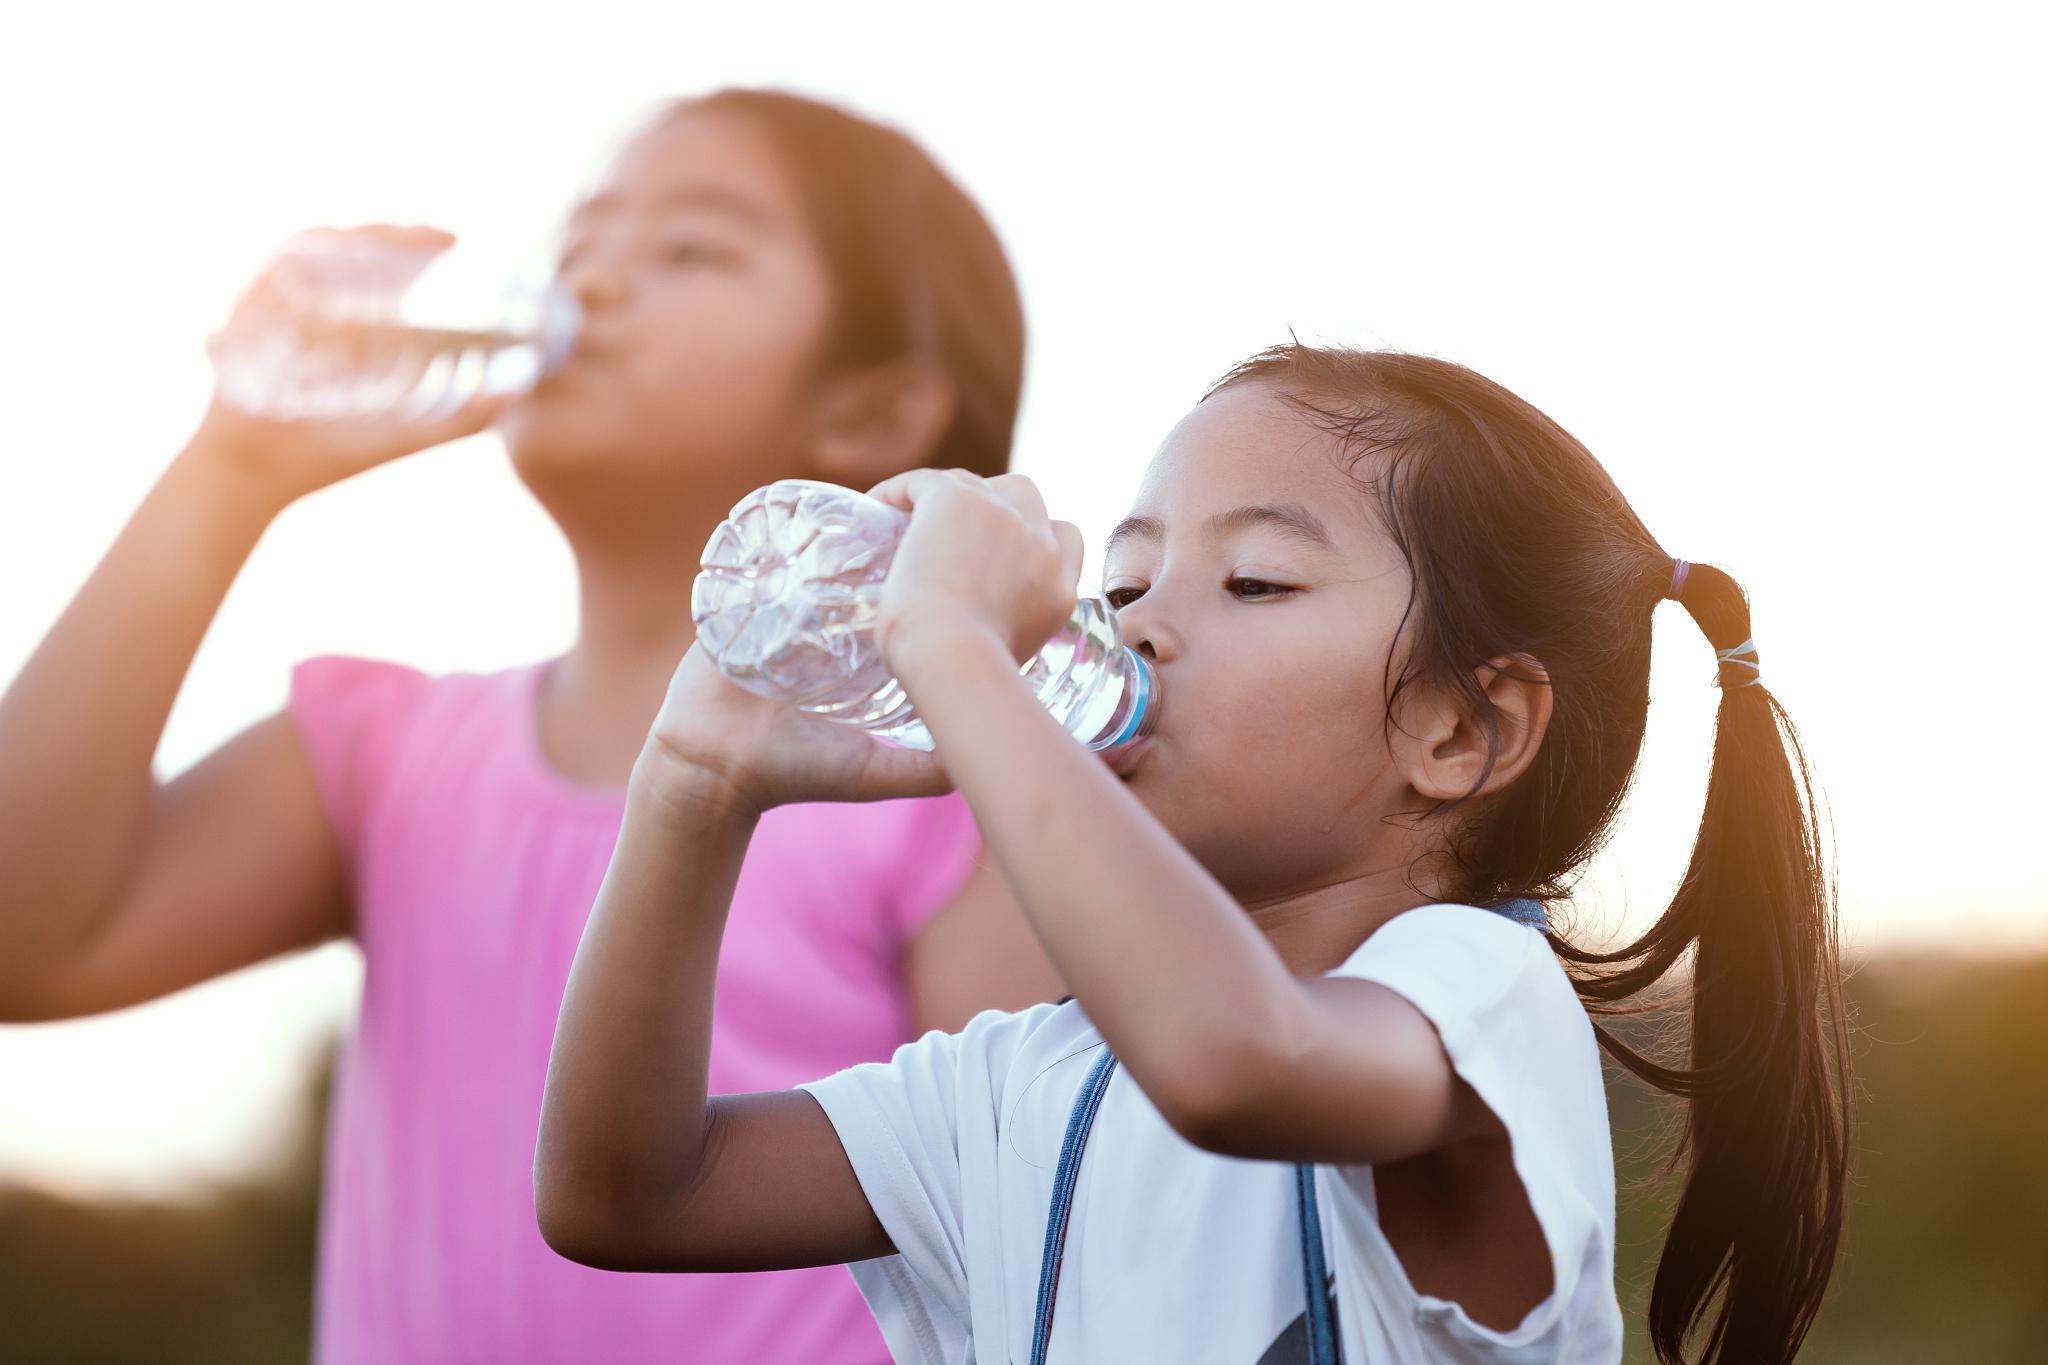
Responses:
[1178,1255]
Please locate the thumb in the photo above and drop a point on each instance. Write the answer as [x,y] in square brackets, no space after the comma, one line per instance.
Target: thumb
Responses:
[1073,550]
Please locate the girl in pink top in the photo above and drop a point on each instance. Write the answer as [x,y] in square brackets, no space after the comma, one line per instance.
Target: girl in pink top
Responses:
[772,288]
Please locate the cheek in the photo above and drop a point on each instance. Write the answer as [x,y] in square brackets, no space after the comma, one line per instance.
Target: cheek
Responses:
[1299,740]
[736,360]
[768,317]
[1307,688]
[683,362]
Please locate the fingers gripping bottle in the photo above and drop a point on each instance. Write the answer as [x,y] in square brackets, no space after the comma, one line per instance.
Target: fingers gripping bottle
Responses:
[786,601]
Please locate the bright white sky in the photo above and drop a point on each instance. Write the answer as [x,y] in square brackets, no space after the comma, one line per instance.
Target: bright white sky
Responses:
[1780,269]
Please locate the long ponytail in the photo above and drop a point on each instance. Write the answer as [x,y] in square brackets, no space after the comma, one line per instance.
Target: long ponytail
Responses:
[1766,1141]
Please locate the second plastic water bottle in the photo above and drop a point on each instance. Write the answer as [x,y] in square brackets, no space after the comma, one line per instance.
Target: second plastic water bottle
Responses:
[363,325]
[785,605]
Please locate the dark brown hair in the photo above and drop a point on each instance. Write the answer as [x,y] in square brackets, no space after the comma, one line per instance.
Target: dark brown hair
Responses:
[917,272]
[1521,547]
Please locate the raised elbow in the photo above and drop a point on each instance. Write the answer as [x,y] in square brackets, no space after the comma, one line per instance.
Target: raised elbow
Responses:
[45,996]
[40,971]
[578,1223]
[585,1232]
[593,1223]
[568,1221]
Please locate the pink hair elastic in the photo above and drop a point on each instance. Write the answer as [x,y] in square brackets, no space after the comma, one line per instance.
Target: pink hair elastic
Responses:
[1679,569]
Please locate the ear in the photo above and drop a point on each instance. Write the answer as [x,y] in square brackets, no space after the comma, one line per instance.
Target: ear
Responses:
[878,422]
[1440,748]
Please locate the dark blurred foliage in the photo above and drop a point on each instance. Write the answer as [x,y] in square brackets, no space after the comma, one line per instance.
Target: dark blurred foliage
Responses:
[1947,1240]
[224,1277]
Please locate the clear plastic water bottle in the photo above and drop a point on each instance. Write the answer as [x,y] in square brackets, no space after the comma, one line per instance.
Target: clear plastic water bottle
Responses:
[366,325]
[785,605]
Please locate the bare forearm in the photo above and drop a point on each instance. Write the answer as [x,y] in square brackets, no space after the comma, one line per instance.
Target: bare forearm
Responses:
[1143,935]
[80,724]
[623,1119]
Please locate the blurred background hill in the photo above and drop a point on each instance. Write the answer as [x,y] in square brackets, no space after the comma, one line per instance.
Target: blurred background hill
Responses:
[1945,1257]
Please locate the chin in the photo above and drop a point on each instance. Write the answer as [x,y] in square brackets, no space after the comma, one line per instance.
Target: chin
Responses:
[552,450]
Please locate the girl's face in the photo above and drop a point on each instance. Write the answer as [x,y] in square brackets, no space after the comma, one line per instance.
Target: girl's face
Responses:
[706,305]
[1254,573]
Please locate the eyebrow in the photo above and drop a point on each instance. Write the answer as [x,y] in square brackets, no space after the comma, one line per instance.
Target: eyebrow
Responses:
[1289,519]
[729,202]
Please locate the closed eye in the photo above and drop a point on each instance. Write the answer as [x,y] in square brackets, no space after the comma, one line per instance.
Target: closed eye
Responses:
[1256,589]
[688,252]
[1244,589]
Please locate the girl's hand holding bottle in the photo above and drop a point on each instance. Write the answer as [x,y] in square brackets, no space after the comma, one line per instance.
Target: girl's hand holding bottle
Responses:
[980,556]
[320,322]
[980,559]
[717,749]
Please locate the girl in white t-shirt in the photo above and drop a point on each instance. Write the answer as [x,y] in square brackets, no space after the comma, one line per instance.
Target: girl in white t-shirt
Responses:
[1327,1087]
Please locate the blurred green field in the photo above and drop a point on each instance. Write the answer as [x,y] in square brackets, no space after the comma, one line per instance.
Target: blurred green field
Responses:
[1946,1261]
[1946,1242]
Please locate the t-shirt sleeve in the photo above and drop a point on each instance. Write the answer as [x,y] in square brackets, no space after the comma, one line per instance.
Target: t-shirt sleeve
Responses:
[937,848]
[351,715]
[914,1129]
[1514,1030]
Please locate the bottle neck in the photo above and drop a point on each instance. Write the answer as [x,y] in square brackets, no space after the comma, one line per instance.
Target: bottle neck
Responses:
[1137,710]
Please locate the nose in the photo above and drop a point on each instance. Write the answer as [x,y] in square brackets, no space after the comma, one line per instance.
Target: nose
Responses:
[594,280]
[1142,626]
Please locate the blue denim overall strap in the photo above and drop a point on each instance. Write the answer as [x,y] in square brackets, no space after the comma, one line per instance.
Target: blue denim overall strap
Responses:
[1064,1176]
[1527,912]
[1322,1329]
[1315,1279]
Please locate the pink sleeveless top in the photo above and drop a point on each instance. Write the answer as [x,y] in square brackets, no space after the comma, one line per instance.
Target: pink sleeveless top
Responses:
[474,867]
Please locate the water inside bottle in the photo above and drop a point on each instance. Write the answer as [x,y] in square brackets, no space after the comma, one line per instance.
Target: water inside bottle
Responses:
[320,368]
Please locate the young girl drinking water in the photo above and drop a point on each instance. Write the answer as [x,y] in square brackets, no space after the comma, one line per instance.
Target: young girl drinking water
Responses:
[1328,1079]
[771,287]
